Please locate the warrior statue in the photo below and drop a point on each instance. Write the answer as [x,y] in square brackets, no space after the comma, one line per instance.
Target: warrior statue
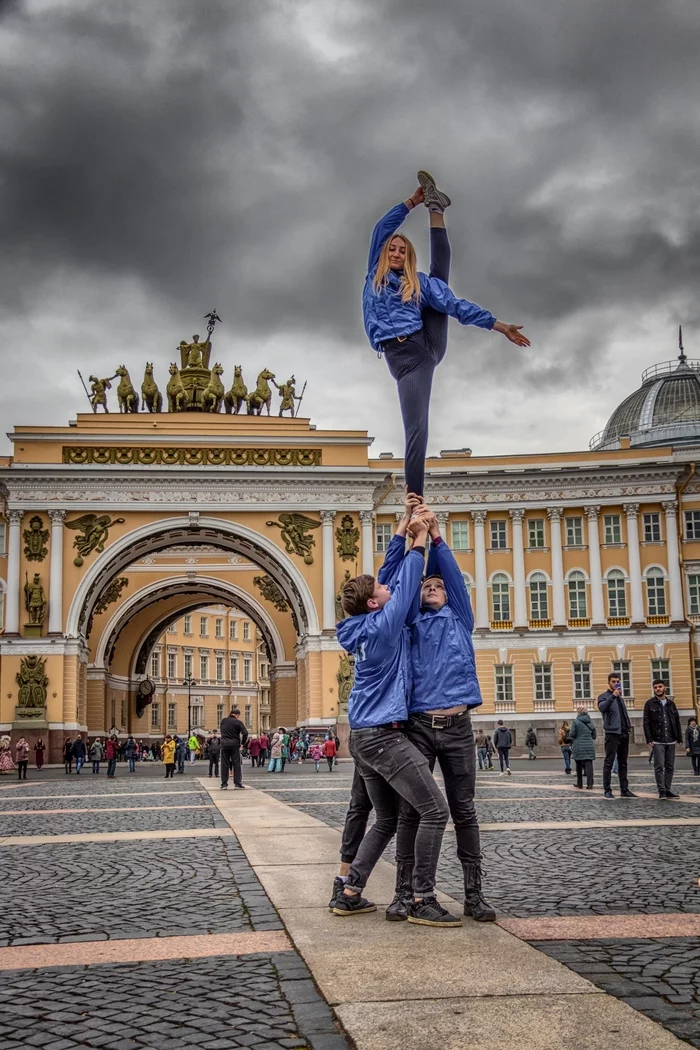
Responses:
[99,388]
[35,600]
[288,392]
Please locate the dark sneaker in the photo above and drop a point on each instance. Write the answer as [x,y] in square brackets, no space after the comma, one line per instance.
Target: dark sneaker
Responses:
[428,912]
[239,787]
[627,794]
[662,796]
[338,887]
[224,787]
[435,199]
[608,794]
[356,904]
[479,909]
[398,909]
[672,794]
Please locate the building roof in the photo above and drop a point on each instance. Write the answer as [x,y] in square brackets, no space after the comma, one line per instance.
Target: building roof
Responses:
[664,411]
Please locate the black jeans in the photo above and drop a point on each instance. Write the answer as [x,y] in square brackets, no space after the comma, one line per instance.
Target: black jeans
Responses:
[695,763]
[412,363]
[111,767]
[453,748]
[616,744]
[22,769]
[503,758]
[392,769]
[584,765]
[96,765]
[169,770]
[214,766]
[231,759]
[355,819]
[664,763]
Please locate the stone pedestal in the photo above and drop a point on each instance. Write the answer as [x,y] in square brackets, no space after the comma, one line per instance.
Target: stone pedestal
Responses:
[32,630]
[30,718]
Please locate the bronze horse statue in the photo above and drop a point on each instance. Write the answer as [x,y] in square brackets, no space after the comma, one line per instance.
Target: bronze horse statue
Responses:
[126,395]
[151,397]
[238,393]
[262,395]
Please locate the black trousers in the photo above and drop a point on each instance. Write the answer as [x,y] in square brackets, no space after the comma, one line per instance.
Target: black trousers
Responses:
[111,767]
[22,769]
[453,749]
[214,766]
[355,819]
[584,765]
[169,770]
[695,763]
[231,759]
[393,769]
[412,363]
[664,764]
[616,745]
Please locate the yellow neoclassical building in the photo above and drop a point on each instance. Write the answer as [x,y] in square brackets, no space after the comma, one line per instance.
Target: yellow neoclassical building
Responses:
[118,530]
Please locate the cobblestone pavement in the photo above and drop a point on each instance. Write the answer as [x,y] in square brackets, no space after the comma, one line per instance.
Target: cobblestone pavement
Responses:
[658,977]
[265,1001]
[91,891]
[532,873]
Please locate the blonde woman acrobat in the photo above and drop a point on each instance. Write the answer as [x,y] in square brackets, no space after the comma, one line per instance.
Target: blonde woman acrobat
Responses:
[406,314]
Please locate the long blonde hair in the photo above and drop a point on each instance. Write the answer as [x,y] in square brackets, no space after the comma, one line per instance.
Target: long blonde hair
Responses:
[410,285]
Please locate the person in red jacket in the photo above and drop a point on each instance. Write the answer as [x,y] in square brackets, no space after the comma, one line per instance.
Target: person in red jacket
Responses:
[264,749]
[329,752]
[254,751]
[111,754]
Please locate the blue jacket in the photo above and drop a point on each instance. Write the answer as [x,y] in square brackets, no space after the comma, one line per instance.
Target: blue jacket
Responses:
[442,651]
[380,643]
[386,316]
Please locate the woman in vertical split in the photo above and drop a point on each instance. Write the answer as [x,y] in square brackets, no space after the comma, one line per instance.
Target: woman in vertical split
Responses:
[406,314]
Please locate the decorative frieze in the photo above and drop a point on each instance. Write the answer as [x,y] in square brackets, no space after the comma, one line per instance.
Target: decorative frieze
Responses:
[103,455]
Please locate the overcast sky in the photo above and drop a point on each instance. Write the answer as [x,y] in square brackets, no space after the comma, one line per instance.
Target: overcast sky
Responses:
[162,157]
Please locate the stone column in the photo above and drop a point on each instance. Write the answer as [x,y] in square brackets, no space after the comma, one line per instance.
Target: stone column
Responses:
[674,569]
[327,519]
[634,562]
[367,519]
[443,517]
[56,573]
[520,617]
[14,549]
[559,617]
[482,618]
[597,604]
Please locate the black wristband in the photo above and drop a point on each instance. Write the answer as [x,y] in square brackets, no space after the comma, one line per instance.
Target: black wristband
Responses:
[419,550]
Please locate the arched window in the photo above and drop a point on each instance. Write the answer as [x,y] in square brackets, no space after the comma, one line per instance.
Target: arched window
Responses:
[539,600]
[2,605]
[656,592]
[617,595]
[500,597]
[578,606]
[467,583]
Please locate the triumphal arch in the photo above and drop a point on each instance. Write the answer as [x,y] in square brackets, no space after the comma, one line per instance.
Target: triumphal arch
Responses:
[156,503]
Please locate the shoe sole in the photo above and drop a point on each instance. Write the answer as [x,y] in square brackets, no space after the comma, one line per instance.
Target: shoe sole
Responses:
[428,185]
[396,918]
[448,923]
[356,911]
[469,915]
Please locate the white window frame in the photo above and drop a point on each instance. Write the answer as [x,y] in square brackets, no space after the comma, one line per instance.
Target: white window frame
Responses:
[155,664]
[3,538]
[577,592]
[382,537]
[219,714]
[172,665]
[247,669]
[155,714]
[624,669]
[542,674]
[246,630]
[656,593]
[536,532]
[499,534]
[172,715]
[220,669]
[500,598]
[612,528]
[460,535]
[234,667]
[248,715]
[574,527]
[187,624]
[203,626]
[233,631]
[661,669]
[538,588]
[503,674]
[203,667]
[617,596]
[651,522]
[692,524]
[693,582]
[219,627]
[581,670]
[188,665]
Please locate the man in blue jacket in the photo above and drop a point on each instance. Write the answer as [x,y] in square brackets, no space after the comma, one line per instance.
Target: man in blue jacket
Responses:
[392,768]
[445,690]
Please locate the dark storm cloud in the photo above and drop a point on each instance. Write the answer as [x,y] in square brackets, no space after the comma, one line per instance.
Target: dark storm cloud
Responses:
[237,155]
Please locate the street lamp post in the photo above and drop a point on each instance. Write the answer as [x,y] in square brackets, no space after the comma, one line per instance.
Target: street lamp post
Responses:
[189,682]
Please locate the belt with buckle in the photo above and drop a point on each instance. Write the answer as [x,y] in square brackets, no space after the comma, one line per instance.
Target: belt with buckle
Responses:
[392,344]
[441,721]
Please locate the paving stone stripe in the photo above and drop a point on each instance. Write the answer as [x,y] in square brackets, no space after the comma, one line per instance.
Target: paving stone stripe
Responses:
[81,796]
[593,927]
[93,953]
[101,809]
[115,836]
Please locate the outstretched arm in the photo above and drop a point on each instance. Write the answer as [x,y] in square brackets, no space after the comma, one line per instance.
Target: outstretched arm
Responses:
[388,225]
[440,296]
[396,550]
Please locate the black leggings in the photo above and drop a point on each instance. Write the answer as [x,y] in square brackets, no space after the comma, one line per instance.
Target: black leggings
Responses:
[412,364]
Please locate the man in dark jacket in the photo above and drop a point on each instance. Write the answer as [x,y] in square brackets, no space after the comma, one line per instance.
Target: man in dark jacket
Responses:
[233,736]
[213,753]
[662,731]
[503,741]
[79,752]
[616,725]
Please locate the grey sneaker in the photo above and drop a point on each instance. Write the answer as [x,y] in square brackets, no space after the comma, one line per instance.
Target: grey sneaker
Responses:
[435,199]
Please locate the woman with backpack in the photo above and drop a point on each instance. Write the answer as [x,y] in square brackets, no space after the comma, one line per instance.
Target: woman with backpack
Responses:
[564,741]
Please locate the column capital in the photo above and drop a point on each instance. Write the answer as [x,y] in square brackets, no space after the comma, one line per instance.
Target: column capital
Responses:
[367,517]
[592,513]
[399,516]
[57,516]
[479,517]
[327,517]
[14,517]
[670,507]
[442,517]
[517,514]
[631,509]
[554,513]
